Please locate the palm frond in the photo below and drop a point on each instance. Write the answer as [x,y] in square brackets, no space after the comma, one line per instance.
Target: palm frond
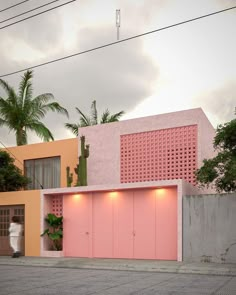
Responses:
[116,117]
[22,113]
[84,120]
[9,111]
[41,130]
[2,122]
[105,117]
[55,107]
[36,108]
[74,128]
[26,88]
[43,98]
[10,91]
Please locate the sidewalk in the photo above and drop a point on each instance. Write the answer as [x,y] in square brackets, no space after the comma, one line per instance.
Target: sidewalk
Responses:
[124,264]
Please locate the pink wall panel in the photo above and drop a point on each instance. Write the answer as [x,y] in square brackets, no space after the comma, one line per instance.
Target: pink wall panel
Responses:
[123,224]
[159,155]
[102,225]
[166,224]
[77,225]
[144,224]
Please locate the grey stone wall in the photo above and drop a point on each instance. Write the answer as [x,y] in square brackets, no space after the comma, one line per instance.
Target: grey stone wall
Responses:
[209,228]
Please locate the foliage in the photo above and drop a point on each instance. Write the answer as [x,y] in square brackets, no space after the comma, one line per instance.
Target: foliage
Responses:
[11,178]
[69,177]
[86,120]
[55,230]
[81,168]
[221,170]
[22,113]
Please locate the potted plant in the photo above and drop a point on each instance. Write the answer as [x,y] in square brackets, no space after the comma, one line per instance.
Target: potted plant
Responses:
[54,231]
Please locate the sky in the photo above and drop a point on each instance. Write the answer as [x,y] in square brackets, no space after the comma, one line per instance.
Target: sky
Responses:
[184,67]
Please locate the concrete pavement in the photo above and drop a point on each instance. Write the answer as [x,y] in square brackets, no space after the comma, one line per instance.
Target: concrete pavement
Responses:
[124,264]
[38,280]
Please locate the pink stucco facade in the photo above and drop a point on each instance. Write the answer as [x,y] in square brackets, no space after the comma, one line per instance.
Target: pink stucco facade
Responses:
[138,171]
[135,220]
[167,146]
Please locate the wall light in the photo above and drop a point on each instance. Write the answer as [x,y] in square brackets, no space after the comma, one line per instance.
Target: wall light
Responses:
[76,197]
[113,194]
[160,192]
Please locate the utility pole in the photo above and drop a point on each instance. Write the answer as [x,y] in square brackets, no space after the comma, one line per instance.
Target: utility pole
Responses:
[118,22]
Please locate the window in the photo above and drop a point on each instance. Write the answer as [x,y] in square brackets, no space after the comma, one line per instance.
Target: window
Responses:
[45,172]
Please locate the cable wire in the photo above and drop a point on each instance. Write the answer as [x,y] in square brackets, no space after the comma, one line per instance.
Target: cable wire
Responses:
[25,12]
[21,163]
[14,5]
[34,15]
[120,41]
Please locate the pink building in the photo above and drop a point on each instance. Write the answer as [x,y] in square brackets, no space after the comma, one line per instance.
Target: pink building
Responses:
[138,171]
[161,147]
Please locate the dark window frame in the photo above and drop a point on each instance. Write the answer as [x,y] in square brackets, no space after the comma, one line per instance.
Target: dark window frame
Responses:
[40,181]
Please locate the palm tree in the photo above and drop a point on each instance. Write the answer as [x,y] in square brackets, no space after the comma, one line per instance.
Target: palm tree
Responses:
[93,119]
[22,113]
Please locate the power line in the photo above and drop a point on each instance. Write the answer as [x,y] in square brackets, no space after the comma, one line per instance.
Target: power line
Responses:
[5,20]
[55,7]
[120,41]
[21,163]
[14,5]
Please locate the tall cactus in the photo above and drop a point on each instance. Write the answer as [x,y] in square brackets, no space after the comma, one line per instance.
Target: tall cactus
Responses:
[69,177]
[81,169]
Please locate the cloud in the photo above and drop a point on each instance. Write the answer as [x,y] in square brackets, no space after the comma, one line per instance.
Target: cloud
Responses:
[39,33]
[226,3]
[117,77]
[220,103]
[122,76]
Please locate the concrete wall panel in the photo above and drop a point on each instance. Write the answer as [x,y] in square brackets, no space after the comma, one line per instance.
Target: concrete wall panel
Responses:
[209,233]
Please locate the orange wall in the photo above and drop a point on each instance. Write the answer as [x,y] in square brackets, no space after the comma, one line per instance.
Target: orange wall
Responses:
[31,200]
[67,149]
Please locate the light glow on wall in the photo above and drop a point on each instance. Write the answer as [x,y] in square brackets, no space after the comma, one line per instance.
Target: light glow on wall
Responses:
[160,192]
[113,194]
[77,197]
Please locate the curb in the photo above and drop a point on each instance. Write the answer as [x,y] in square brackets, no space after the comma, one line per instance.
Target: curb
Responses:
[188,268]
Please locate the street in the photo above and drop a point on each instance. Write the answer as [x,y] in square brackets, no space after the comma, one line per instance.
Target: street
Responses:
[27,280]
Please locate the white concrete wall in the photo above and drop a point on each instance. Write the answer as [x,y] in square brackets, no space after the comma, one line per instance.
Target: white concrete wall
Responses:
[209,233]
[206,134]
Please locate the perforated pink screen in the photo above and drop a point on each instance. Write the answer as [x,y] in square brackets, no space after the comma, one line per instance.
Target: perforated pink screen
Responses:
[159,155]
[57,205]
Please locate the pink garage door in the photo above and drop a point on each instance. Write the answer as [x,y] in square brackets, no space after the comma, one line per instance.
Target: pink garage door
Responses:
[102,225]
[129,224]
[144,224]
[77,225]
[123,224]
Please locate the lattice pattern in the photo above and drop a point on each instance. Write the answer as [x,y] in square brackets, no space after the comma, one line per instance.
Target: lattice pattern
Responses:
[4,222]
[57,205]
[159,155]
